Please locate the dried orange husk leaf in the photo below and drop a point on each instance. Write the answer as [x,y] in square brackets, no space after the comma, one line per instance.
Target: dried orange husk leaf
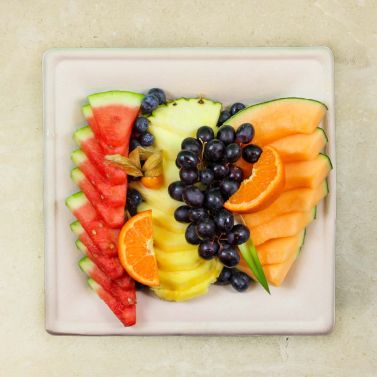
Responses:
[153,161]
[126,164]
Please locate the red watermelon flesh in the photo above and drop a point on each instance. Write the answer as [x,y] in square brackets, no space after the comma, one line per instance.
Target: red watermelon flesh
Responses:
[114,217]
[125,292]
[84,137]
[125,313]
[105,238]
[114,113]
[114,195]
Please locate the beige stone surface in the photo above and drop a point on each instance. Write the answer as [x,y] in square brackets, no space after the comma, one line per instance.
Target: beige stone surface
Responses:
[28,28]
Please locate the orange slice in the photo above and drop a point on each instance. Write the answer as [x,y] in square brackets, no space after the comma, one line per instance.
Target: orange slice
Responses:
[262,187]
[135,249]
[153,182]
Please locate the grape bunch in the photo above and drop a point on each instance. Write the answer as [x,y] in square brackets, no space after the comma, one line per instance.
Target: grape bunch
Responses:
[208,177]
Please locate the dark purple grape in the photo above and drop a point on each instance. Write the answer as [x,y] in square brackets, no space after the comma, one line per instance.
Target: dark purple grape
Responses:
[207,176]
[214,200]
[251,153]
[146,140]
[224,221]
[193,197]
[226,134]
[198,214]
[206,229]
[229,256]
[238,235]
[182,214]
[244,133]
[188,176]
[141,125]
[235,173]
[233,152]
[240,281]
[159,94]
[220,171]
[175,190]
[191,144]
[134,143]
[236,107]
[149,103]
[191,235]
[205,134]
[224,277]
[224,116]
[187,159]
[134,197]
[228,187]
[214,150]
[208,249]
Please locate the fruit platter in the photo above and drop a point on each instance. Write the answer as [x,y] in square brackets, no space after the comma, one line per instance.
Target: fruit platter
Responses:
[175,195]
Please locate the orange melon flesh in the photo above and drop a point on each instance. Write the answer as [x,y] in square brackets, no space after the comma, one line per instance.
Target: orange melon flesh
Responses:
[280,118]
[276,273]
[300,147]
[285,225]
[296,200]
[307,174]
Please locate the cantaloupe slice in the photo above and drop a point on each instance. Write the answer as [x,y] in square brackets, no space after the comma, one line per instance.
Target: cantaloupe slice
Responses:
[307,173]
[280,118]
[301,147]
[286,225]
[276,273]
[296,200]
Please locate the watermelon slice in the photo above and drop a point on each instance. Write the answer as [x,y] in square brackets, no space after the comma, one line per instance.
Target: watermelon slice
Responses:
[113,216]
[125,313]
[84,137]
[114,195]
[114,113]
[110,266]
[105,238]
[124,291]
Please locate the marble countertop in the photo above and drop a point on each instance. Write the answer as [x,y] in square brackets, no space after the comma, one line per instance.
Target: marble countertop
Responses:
[28,28]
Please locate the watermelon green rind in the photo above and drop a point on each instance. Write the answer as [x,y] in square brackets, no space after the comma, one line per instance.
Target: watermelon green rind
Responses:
[77,228]
[115,97]
[86,265]
[81,247]
[77,175]
[87,111]
[78,157]
[83,134]
[94,285]
[76,201]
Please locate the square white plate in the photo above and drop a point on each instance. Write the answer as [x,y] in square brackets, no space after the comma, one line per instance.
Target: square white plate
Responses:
[305,302]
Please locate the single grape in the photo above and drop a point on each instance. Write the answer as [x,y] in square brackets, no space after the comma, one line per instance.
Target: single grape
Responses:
[206,229]
[240,281]
[141,125]
[159,93]
[224,277]
[235,173]
[191,144]
[233,152]
[198,214]
[146,139]
[226,134]
[251,153]
[191,235]
[208,249]
[214,150]
[134,196]
[134,143]
[188,176]
[182,214]
[244,133]
[149,103]
[205,134]
[175,190]
[236,107]
[238,235]
[193,197]
[220,171]
[228,187]
[224,116]
[207,176]
[229,256]
[187,159]
[224,221]
[214,200]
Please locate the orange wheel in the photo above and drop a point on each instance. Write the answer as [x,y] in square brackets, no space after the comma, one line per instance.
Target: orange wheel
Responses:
[262,187]
[135,248]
